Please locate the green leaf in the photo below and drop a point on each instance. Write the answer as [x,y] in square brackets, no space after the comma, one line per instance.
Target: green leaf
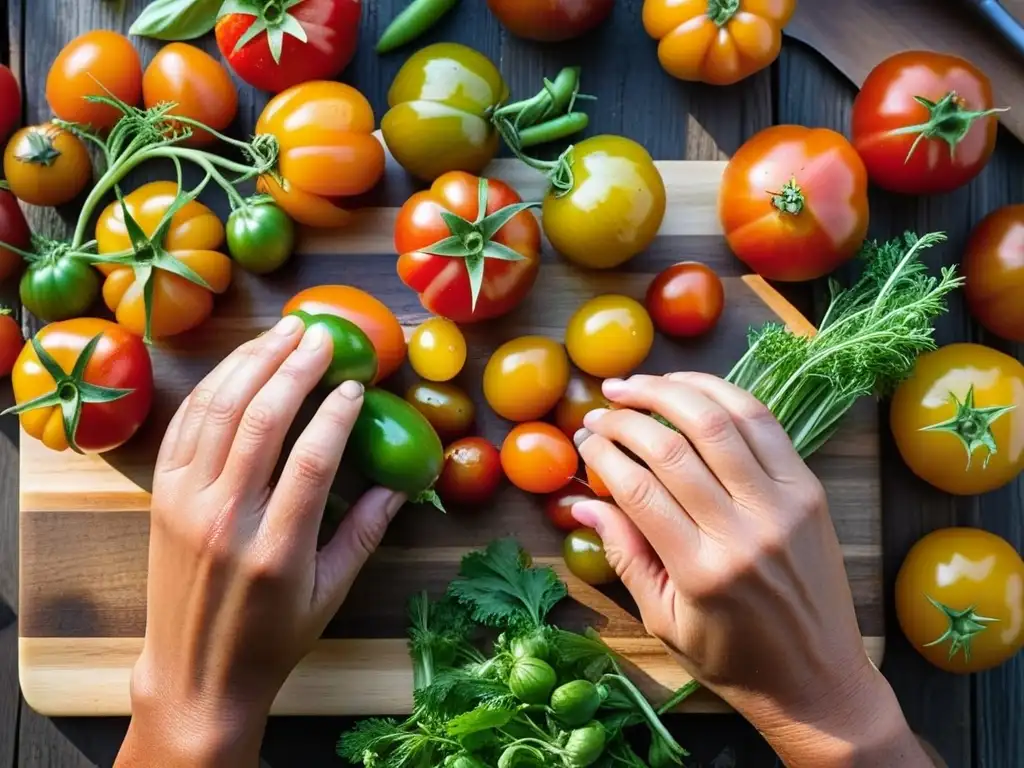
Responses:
[71,414]
[48,400]
[490,226]
[482,193]
[51,366]
[454,691]
[483,718]
[275,42]
[245,7]
[457,225]
[451,246]
[91,393]
[140,241]
[257,28]
[78,372]
[144,275]
[176,19]
[475,270]
[290,26]
[502,252]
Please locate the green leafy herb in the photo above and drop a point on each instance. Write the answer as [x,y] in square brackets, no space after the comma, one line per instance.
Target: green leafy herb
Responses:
[439,635]
[176,19]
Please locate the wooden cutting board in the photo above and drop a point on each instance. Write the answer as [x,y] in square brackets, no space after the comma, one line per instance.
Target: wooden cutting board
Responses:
[85,521]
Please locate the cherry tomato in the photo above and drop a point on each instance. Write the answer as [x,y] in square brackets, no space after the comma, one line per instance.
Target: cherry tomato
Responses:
[538,458]
[924,122]
[584,555]
[472,472]
[94,64]
[959,419]
[558,505]
[582,396]
[11,341]
[369,313]
[449,410]
[609,336]
[994,268]
[550,21]
[437,350]
[195,81]
[597,485]
[13,231]
[10,103]
[794,202]
[959,599]
[525,377]
[686,299]
[46,165]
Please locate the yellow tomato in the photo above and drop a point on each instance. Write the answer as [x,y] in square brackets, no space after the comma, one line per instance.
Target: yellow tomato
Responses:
[46,165]
[526,377]
[609,336]
[437,350]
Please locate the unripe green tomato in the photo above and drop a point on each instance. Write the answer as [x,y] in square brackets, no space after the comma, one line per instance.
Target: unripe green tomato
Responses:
[260,237]
[531,645]
[354,357]
[585,745]
[575,703]
[59,288]
[532,680]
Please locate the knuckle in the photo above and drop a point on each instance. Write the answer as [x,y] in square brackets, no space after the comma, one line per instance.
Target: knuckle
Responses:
[309,469]
[713,425]
[639,490]
[259,420]
[221,410]
[365,538]
[670,451]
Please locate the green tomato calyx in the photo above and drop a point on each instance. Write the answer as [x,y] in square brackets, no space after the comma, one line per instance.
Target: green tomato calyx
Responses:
[272,17]
[790,199]
[948,121]
[973,426]
[722,11]
[963,626]
[40,149]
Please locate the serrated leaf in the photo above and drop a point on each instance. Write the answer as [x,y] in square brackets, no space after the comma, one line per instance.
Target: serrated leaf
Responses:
[483,718]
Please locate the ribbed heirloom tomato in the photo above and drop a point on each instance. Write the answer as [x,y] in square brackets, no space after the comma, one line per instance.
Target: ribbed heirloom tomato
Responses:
[994,268]
[46,165]
[550,21]
[609,336]
[526,377]
[538,458]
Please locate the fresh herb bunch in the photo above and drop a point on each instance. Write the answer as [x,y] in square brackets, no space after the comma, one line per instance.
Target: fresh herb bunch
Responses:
[544,697]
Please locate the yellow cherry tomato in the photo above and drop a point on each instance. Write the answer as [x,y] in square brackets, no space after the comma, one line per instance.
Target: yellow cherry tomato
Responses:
[437,350]
[46,165]
[526,377]
[609,336]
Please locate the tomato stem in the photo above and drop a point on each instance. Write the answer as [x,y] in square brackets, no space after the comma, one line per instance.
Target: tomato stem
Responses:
[963,626]
[972,426]
[722,11]
[40,151]
[948,121]
[790,199]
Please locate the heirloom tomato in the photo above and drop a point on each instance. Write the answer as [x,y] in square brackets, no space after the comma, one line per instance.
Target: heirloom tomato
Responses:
[14,231]
[526,377]
[11,341]
[260,236]
[84,384]
[46,165]
[686,299]
[538,458]
[468,246]
[275,44]
[59,286]
[558,505]
[924,122]
[472,472]
[437,350]
[449,410]
[440,111]
[959,419]
[550,21]
[96,63]
[717,41]
[584,555]
[353,355]
[369,313]
[166,286]
[794,202]
[198,85]
[613,208]
[10,103]
[960,599]
[582,395]
[609,336]
[328,152]
[994,269]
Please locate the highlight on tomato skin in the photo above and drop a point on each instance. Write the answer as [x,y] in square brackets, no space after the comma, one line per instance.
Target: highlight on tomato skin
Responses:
[585,557]
[525,378]
[609,336]
[472,473]
[686,299]
[994,272]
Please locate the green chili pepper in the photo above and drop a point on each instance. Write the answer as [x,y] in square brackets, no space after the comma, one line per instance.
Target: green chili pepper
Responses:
[416,19]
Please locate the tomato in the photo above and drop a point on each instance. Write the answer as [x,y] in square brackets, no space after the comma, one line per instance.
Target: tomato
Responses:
[609,336]
[10,103]
[959,419]
[440,103]
[558,505]
[472,472]
[550,21]
[59,286]
[11,341]
[13,231]
[353,357]
[582,395]
[794,202]
[686,299]
[91,397]
[281,43]
[449,410]
[526,377]
[959,599]
[924,122]
[538,458]
[615,206]
[477,278]
[718,41]
[96,63]
[437,350]
[327,151]
[584,555]
[994,268]
[261,236]
[597,486]
[185,248]
[46,165]
[197,83]
[366,311]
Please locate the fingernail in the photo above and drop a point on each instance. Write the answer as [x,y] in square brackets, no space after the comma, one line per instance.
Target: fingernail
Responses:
[585,513]
[581,436]
[614,387]
[594,416]
[313,338]
[353,390]
[287,325]
[394,503]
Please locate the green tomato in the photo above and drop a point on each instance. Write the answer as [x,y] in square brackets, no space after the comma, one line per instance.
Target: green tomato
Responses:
[585,745]
[59,287]
[260,237]
[394,445]
[354,358]
[531,645]
[532,680]
[576,702]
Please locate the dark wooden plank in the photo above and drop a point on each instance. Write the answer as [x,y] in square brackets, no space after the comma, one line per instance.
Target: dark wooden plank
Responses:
[10,699]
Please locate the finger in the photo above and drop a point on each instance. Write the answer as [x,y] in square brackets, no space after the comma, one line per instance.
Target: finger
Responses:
[358,537]
[172,439]
[267,419]
[223,412]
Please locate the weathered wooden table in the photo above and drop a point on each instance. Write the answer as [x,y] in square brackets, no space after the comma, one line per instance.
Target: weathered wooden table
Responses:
[971,721]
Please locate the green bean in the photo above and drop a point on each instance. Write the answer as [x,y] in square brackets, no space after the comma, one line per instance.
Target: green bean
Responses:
[416,19]
[559,128]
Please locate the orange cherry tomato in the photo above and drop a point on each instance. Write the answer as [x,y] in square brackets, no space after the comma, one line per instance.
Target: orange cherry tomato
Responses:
[584,555]
[558,505]
[609,336]
[368,312]
[46,165]
[538,458]
[717,41]
[327,150]
[94,64]
[197,83]
[597,484]
[686,299]
[994,268]
[525,378]
[472,472]
[437,350]
[582,396]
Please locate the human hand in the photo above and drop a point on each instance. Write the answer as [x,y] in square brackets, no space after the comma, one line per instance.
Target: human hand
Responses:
[723,537]
[238,592]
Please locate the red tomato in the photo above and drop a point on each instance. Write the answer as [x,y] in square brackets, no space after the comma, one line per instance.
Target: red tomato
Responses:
[10,103]
[924,122]
[582,396]
[558,506]
[994,268]
[443,282]
[686,299]
[11,341]
[794,202]
[550,21]
[538,458]
[274,58]
[472,472]
[13,231]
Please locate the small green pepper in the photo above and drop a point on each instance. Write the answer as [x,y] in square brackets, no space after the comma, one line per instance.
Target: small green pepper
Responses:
[416,19]
[354,358]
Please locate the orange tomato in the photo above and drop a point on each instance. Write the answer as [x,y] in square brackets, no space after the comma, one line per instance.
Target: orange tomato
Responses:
[91,65]
[368,312]
[526,377]
[195,232]
[609,336]
[597,484]
[327,150]
[538,458]
[197,83]
[46,165]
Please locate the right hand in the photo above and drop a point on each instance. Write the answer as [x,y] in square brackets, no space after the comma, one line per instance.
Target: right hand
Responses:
[725,541]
